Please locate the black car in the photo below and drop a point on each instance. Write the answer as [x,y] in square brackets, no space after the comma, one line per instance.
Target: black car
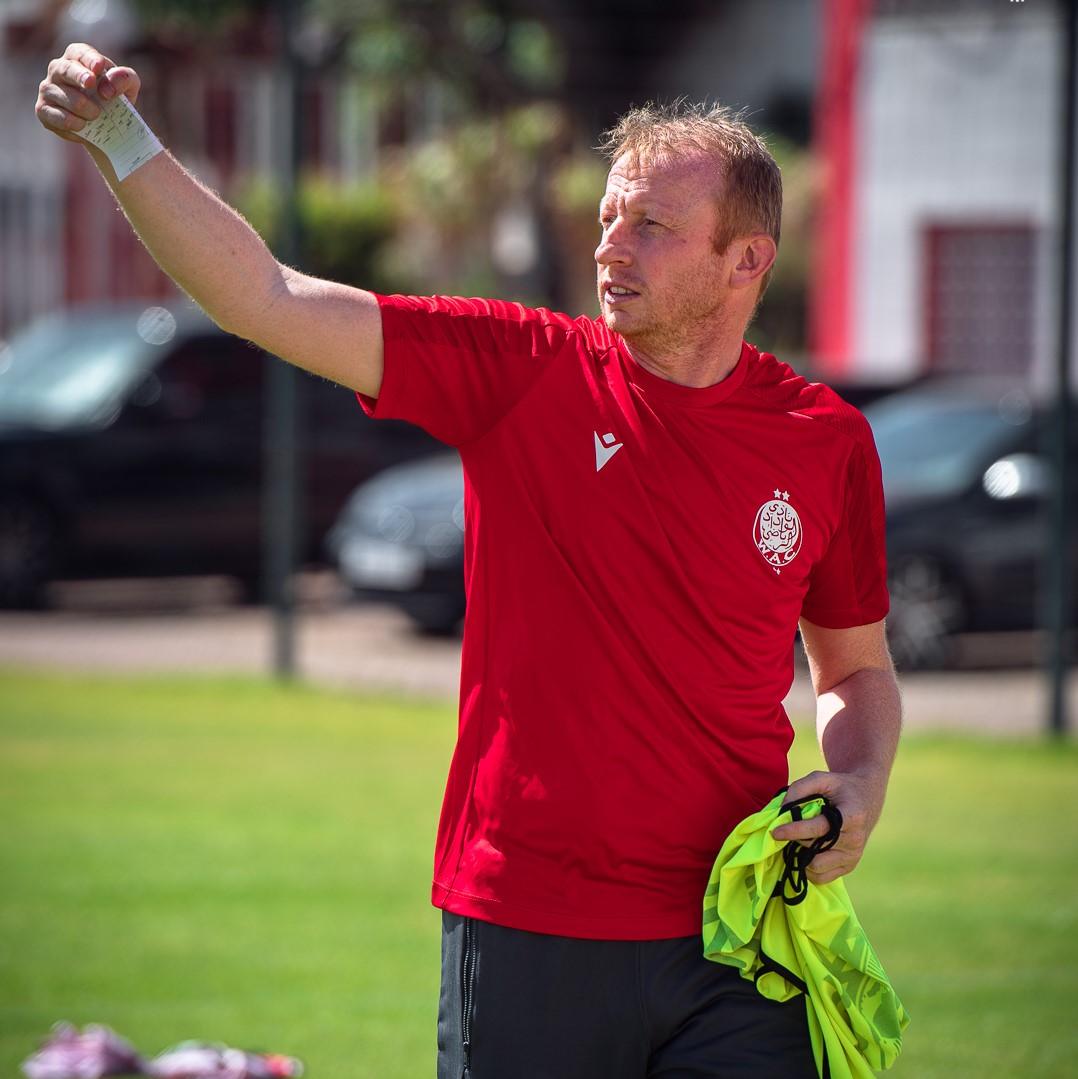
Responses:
[400,539]
[131,444]
[968,476]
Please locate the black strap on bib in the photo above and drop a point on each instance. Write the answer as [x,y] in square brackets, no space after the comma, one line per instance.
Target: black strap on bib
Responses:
[792,886]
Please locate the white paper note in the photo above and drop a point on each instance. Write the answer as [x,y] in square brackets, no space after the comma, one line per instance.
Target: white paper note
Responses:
[122,134]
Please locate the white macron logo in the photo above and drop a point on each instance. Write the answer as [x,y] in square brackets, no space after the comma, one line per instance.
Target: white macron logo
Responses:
[605,448]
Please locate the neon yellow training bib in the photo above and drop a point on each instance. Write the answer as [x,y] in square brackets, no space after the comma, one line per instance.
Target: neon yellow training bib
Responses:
[791,936]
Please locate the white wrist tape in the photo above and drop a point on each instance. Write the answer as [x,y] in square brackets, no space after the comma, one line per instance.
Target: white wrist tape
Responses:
[123,135]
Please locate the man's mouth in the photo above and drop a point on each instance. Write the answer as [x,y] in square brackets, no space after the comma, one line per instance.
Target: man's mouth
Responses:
[618,293]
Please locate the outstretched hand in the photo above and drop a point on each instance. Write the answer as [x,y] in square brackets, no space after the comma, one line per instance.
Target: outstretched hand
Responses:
[857,798]
[64,101]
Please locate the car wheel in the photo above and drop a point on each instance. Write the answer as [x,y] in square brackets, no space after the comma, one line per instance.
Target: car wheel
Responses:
[927,609]
[28,550]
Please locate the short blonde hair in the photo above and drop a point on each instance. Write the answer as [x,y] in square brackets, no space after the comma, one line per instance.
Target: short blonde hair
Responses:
[752,194]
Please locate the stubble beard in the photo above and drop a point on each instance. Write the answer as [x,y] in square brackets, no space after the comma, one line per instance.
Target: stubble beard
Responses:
[683,331]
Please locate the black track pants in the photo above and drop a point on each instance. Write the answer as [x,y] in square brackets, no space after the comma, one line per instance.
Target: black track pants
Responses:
[517,1005]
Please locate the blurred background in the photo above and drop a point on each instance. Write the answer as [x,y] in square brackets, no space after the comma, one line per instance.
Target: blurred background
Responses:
[422,146]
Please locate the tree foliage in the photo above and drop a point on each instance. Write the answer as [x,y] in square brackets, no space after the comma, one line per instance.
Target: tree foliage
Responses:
[494,53]
[198,17]
[346,228]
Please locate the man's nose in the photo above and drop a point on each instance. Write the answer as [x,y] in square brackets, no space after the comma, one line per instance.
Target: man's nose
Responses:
[613,247]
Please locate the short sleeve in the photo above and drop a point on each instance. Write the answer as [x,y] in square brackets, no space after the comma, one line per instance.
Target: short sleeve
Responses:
[848,586]
[457,366]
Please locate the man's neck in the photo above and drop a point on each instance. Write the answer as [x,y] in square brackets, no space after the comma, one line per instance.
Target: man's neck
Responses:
[697,369]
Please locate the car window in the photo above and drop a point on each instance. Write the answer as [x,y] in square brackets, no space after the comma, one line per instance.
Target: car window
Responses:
[66,372]
[936,446]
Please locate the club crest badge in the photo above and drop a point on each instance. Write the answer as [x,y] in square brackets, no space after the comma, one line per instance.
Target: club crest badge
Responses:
[777,531]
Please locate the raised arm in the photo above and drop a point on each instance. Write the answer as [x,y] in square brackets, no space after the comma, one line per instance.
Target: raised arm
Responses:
[210,251]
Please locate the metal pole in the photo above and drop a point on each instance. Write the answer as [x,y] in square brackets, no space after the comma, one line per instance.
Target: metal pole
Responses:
[281,514]
[1060,559]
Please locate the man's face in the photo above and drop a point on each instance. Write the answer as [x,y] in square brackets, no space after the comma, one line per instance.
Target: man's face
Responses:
[662,285]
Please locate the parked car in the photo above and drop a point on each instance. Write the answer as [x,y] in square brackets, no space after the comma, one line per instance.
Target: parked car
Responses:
[968,475]
[400,539]
[131,444]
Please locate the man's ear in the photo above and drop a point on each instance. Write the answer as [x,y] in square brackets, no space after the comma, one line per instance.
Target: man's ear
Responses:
[754,256]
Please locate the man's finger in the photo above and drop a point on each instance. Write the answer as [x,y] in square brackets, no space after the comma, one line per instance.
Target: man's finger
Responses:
[119,80]
[65,99]
[84,66]
[802,830]
[89,57]
[825,872]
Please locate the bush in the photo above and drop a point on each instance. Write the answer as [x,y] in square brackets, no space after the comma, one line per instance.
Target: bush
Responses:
[344,229]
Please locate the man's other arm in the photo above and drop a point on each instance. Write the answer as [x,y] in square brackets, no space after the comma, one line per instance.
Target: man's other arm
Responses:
[858,722]
[210,251]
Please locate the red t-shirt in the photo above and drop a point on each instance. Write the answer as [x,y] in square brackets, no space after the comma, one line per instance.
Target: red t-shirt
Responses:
[637,556]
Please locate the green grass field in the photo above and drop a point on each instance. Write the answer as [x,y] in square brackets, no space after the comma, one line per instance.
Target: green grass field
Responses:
[243,862]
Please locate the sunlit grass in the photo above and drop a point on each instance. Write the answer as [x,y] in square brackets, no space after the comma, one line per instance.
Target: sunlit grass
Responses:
[229,861]
[244,862]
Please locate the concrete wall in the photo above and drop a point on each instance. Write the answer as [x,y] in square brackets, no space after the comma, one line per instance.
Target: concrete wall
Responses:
[958,122]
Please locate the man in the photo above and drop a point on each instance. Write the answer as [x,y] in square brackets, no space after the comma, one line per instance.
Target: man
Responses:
[653,507]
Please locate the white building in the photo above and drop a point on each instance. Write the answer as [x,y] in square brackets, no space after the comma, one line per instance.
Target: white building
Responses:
[941,125]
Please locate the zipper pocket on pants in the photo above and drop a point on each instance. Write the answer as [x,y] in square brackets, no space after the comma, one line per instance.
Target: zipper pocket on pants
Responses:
[467,991]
